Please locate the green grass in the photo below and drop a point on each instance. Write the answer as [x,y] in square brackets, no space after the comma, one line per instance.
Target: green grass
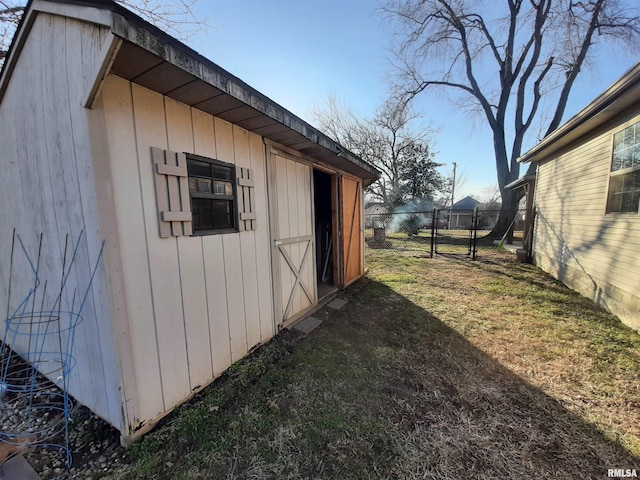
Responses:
[436,368]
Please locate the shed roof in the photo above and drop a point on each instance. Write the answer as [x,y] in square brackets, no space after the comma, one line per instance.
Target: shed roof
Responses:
[623,95]
[144,54]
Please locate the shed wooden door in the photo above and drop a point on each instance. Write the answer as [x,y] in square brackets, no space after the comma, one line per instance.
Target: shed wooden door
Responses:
[293,257]
[351,224]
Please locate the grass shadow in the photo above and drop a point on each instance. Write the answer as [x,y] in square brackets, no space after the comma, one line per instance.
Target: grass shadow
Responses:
[383,389]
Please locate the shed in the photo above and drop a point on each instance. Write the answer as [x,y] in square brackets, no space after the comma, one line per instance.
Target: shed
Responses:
[225,217]
[587,197]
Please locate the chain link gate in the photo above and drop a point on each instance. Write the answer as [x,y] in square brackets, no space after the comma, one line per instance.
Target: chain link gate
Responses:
[455,232]
[439,231]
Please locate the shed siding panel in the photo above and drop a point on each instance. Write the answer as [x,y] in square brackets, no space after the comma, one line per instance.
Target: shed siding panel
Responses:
[213,252]
[213,260]
[136,267]
[192,278]
[46,145]
[248,248]
[207,291]
[574,239]
[263,240]
[232,255]
[163,267]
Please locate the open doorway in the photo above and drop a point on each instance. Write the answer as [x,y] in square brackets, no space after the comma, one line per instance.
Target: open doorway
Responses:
[325,208]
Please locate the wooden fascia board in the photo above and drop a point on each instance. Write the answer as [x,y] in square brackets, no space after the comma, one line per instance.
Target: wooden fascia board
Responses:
[91,14]
[107,55]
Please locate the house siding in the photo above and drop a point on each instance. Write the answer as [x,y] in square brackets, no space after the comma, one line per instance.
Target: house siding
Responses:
[575,241]
[189,306]
[47,188]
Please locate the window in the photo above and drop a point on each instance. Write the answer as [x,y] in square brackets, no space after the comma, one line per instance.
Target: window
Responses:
[212,193]
[624,179]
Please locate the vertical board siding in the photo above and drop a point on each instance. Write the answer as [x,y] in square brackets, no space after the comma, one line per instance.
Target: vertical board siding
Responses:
[262,236]
[207,293]
[574,239]
[213,260]
[127,201]
[48,185]
[290,193]
[242,157]
[232,255]
[162,273]
[192,277]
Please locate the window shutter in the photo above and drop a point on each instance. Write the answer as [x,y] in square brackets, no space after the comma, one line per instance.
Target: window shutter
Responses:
[246,199]
[172,193]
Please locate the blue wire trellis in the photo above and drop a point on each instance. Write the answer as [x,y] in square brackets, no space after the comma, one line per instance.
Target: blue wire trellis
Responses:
[37,351]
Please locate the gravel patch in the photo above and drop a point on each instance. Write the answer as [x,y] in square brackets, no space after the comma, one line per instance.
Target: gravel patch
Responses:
[94,446]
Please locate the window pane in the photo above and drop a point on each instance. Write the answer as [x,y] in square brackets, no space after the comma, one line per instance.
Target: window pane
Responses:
[629,202]
[636,156]
[201,206]
[200,185]
[211,214]
[624,193]
[222,188]
[618,141]
[220,172]
[629,137]
[617,161]
[198,168]
[627,157]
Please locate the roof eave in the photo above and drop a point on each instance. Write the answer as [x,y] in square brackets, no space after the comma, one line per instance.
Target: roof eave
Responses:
[601,110]
[238,94]
[520,182]
[239,103]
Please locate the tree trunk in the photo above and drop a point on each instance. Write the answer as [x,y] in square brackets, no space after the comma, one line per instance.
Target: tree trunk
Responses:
[508,212]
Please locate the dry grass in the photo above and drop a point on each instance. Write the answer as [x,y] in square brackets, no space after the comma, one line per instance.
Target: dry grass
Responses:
[436,368]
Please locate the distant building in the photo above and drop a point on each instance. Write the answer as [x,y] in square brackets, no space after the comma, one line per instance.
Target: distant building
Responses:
[462,212]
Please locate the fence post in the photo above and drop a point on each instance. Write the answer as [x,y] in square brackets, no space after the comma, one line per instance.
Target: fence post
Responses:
[433,230]
[474,224]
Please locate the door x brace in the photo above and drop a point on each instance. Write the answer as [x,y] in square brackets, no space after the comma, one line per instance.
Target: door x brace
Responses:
[296,271]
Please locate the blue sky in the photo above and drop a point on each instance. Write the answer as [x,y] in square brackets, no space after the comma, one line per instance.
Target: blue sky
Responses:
[298,52]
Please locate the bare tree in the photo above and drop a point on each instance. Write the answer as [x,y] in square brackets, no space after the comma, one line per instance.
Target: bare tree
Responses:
[389,141]
[10,14]
[176,17]
[506,60]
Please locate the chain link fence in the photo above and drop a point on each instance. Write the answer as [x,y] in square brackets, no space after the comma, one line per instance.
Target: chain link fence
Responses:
[436,232]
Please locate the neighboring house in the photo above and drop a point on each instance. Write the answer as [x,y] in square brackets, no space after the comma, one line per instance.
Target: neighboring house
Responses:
[210,198]
[587,196]
[461,212]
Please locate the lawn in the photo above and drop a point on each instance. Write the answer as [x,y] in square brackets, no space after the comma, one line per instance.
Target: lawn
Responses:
[435,368]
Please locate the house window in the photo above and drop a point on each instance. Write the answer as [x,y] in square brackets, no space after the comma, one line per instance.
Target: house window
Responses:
[212,193]
[624,179]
